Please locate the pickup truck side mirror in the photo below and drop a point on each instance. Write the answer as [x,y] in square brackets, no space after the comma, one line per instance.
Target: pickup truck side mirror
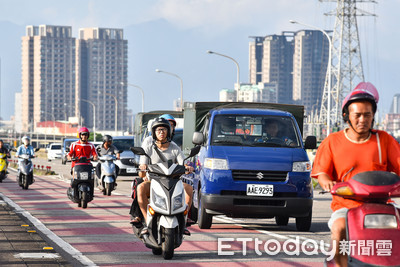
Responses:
[198,138]
[311,142]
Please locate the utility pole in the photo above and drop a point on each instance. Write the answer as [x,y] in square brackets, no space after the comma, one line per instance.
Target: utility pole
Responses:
[346,69]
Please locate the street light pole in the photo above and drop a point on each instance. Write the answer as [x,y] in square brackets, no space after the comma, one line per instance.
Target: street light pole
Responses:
[237,65]
[328,117]
[141,91]
[116,112]
[180,79]
[94,117]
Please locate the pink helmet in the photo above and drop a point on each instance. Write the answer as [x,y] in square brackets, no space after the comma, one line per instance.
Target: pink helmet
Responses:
[363,91]
[83,130]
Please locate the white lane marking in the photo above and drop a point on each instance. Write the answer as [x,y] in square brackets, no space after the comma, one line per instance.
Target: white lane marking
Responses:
[67,248]
[36,256]
[239,223]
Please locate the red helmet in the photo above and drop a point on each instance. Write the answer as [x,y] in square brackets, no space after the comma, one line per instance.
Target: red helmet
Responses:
[83,130]
[363,91]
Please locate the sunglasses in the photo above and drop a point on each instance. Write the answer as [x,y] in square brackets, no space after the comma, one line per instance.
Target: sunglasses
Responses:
[85,134]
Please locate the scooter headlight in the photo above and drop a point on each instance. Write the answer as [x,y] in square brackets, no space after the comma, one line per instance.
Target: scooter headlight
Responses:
[159,201]
[380,221]
[177,202]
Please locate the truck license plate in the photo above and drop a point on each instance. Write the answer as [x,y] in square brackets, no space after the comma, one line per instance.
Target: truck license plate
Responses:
[131,170]
[260,190]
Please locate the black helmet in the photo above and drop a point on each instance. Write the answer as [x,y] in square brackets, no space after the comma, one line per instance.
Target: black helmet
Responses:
[107,138]
[160,122]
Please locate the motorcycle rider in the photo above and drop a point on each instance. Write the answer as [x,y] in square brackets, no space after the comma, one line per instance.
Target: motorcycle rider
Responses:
[4,150]
[149,139]
[25,148]
[107,148]
[82,148]
[356,149]
[160,131]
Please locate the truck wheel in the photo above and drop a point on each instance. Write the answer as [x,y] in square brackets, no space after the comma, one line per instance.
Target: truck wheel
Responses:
[204,219]
[281,220]
[169,244]
[303,224]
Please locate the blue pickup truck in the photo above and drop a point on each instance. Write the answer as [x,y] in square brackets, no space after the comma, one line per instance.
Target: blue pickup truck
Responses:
[245,169]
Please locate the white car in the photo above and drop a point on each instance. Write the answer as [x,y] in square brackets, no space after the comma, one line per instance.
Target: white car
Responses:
[54,151]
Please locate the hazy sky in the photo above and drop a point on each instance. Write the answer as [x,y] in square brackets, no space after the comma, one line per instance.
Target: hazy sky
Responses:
[173,35]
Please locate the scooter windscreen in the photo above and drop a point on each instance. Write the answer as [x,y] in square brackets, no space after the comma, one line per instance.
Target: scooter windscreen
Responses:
[168,170]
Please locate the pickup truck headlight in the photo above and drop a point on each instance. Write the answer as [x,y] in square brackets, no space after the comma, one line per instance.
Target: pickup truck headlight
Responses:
[301,166]
[159,201]
[216,164]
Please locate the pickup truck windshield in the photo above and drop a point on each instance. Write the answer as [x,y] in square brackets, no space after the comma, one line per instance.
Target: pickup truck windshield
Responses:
[254,130]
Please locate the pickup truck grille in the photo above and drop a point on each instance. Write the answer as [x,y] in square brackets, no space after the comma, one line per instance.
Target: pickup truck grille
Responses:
[249,175]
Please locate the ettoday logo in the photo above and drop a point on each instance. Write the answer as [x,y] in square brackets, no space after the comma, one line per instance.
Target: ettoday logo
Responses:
[291,247]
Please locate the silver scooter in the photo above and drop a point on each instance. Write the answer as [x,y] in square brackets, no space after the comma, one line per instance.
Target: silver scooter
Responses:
[25,170]
[108,174]
[167,210]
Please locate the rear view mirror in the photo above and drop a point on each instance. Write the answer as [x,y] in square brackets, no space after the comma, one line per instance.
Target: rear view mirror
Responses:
[311,142]
[67,149]
[37,149]
[138,150]
[194,151]
[198,138]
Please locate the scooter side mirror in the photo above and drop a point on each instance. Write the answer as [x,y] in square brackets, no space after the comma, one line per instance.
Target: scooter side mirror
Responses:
[138,150]
[67,149]
[37,149]
[120,151]
[194,151]
[14,149]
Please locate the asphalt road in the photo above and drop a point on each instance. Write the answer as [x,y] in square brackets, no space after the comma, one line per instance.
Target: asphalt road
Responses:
[102,236]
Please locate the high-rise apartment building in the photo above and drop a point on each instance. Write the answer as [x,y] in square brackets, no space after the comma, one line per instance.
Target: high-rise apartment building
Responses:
[395,107]
[102,71]
[270,61]
[310,61]
[48,74]
[58,71]
[296,62]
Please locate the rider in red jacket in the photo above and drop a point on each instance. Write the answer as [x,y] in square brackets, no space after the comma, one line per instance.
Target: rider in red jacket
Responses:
[82,148]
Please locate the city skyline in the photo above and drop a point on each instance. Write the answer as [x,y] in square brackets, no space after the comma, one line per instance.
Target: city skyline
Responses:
[175,35]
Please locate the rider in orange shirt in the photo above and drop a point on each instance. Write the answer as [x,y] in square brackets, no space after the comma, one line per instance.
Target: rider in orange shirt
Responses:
[356,149]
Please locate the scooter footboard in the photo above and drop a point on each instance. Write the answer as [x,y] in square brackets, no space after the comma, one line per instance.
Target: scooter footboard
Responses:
[373,234]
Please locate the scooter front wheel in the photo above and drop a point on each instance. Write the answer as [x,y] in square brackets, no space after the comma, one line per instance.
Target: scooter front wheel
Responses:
[156,251]
[169,243]
[25,182]
[84,200]
[109,188]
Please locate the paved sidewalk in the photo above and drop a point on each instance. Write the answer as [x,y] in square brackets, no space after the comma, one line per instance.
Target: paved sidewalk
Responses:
[21,245]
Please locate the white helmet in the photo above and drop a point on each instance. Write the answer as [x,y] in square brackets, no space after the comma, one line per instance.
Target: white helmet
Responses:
[25,140]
